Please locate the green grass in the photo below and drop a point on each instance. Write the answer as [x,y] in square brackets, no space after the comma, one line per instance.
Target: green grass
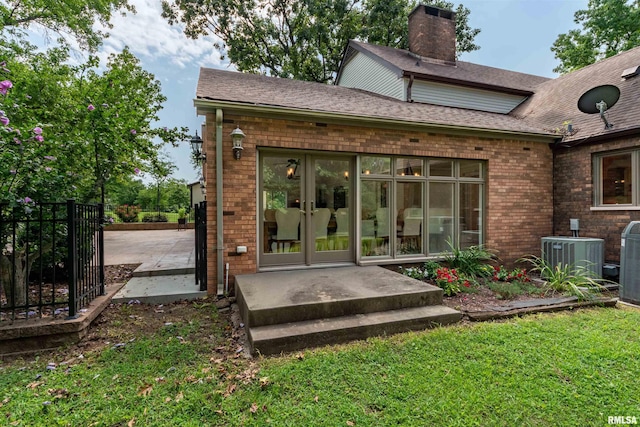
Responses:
[546,370]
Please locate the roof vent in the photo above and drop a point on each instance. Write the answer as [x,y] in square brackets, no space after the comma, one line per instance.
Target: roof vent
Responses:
[630,72]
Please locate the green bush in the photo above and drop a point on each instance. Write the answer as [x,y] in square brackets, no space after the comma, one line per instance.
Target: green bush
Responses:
[155,218]
[127,213]
[567,279]
[472,261]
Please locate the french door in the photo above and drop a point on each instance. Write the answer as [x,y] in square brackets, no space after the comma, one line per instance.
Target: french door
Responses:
[305,209]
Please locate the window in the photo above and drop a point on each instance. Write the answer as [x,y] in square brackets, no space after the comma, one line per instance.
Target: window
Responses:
[614,177]
[414,206]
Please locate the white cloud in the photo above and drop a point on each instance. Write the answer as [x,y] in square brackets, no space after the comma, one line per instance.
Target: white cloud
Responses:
[150,37]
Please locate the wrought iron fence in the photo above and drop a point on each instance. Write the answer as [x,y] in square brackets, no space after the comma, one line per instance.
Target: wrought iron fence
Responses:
[51,260]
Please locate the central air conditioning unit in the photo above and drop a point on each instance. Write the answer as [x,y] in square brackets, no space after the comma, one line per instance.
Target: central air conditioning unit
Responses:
[585,253]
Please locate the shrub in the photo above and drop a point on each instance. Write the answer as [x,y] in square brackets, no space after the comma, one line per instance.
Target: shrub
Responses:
[127,213]
[575,281]
[501,274]
[471,261]
[451,281]
[425,272]
[155,218]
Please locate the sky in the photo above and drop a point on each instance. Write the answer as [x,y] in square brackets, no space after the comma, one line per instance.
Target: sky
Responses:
[515,34]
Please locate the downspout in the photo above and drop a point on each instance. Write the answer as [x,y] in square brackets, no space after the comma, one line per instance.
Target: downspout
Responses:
[409,88]
[219,228]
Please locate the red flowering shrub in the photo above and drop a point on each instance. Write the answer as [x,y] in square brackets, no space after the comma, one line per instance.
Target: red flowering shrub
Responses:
[128,213]
[450,281]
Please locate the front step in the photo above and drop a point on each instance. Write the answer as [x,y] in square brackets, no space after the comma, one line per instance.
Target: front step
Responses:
[289,297]
[274,339]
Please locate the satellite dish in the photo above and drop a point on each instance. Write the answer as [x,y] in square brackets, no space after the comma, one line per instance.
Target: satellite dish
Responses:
[598,100]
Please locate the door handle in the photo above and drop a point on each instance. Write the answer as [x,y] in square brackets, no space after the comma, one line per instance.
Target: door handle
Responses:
[313,209]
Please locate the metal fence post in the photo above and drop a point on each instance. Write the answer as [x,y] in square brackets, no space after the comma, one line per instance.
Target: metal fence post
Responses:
[72,258]
[101,247]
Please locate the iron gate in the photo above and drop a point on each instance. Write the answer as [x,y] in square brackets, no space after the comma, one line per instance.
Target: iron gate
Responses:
[201,245]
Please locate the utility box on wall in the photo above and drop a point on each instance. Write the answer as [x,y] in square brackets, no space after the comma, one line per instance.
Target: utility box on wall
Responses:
[630,263]
[580,252]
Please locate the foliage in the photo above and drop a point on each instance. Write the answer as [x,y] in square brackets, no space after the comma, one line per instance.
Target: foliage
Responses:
[67,131]
[303,40]
[509,290]
[63,17]
[156,217]
[425,272]
[451,281]
[565,278]
[127,213]
[182,213]
[608,27]
[471,261]
[501,274]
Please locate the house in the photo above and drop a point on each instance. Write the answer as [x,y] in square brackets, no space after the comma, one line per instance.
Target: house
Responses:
[409,152]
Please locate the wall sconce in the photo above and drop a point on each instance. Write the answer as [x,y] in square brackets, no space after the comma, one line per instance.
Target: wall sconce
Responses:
[292,169]
[237,136]
[346,175]
[196,148]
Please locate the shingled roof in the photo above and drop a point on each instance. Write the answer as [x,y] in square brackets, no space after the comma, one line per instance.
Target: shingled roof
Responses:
[227,88]
[556,101]
[463,73]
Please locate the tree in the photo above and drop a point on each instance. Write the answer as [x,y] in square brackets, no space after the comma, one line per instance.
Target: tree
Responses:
[299,39]
[64,17]
[160,169]
[608,27]
[121,104]
[386,23]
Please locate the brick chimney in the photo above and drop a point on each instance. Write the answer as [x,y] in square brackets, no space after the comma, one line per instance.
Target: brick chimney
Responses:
[432,33]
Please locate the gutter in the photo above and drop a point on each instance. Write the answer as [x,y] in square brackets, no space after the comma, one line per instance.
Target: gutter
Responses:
[602,137]
[219,227]
[207,105]
[467,83]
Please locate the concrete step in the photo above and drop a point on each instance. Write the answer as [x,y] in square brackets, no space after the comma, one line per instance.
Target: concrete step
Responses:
[159,289]
[298,311]
[148,271]
[273,339]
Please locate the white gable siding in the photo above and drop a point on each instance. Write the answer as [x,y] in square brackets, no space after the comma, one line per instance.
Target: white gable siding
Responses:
[463,97]
[364,73]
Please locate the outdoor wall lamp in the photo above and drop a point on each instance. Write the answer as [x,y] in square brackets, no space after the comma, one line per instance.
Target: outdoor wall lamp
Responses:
[237,136]
[196,147]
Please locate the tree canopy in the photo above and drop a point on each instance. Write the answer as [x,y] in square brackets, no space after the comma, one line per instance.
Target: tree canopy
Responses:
[608,27]
[298,39]
[75,18]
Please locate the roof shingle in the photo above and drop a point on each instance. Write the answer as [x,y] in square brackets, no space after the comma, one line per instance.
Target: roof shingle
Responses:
[257,90]
[464,73]
[556,101]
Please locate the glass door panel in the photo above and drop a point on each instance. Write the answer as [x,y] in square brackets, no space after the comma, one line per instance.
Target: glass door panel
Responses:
[282,222]
[331,216]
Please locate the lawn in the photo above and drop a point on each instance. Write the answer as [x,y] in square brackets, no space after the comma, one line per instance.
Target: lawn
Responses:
[567,369]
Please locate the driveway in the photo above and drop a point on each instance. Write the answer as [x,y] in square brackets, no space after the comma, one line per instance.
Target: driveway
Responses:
[154,249]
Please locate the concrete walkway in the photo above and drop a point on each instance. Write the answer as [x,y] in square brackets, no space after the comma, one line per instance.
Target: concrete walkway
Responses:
[167,264]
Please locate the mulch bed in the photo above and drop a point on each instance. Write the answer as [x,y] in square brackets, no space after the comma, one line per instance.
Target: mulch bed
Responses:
[56,295]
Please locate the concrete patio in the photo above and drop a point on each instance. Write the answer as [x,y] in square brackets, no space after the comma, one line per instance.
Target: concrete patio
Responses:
[291,310]
[167,264]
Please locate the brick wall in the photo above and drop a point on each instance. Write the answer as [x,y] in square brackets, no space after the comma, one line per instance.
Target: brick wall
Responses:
[573,193]
[519,184]
[432,33]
